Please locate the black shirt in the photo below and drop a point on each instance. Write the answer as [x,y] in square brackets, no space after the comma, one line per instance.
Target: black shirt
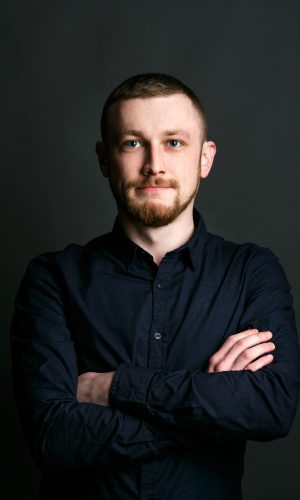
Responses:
[172,431]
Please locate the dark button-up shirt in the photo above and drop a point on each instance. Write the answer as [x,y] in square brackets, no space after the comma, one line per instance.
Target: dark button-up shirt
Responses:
[172,430]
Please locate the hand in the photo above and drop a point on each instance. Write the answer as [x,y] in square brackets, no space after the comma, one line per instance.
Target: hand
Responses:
[94,387]
[240,352]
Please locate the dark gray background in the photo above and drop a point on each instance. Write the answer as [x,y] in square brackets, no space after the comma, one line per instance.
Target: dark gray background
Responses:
[59,61]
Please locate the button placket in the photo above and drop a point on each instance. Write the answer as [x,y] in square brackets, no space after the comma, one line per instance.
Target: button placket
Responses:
[156,345]
[156,360]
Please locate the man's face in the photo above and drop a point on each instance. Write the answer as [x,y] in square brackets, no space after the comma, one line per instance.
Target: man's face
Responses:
[153,157]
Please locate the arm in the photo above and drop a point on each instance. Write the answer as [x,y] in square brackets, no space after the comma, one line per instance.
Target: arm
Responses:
[60,431]
[257,405]
[247,350]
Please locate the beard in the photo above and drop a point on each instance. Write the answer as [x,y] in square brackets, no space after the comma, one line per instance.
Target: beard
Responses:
[152,213]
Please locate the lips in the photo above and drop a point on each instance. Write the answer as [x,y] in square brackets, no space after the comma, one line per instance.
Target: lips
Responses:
[155,187]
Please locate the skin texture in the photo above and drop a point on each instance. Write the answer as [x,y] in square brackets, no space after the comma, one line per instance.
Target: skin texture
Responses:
[94,388]
[154,160]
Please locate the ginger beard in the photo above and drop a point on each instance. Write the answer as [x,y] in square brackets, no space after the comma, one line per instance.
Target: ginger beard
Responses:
[152,212]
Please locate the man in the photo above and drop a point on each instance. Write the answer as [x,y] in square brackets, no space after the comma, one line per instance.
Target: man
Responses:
[144,360]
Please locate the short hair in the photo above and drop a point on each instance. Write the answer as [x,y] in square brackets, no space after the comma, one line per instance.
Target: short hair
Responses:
[150,85]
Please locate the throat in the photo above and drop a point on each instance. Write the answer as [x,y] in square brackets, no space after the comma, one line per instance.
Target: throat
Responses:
[161,240]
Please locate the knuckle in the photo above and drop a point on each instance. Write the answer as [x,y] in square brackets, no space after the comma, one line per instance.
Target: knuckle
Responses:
[231,339]
[246,356]
[240,342]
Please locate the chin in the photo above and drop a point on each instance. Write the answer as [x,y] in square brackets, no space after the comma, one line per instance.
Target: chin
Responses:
[153,214]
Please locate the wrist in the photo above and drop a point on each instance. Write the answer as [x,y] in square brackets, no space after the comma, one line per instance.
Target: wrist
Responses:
[103,387]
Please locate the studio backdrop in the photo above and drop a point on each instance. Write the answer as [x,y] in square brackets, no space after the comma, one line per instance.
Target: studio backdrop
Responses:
[59,62]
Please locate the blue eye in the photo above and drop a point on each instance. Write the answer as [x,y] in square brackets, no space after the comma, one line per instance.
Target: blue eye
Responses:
[132,144]
[174,143]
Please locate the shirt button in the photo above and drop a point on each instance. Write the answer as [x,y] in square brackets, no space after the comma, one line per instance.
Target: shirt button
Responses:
[160,285]
[157,335]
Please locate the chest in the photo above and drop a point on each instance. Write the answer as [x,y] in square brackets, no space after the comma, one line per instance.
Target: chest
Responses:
[171,321]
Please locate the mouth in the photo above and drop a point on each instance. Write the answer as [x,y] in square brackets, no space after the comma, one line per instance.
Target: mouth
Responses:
[154,188]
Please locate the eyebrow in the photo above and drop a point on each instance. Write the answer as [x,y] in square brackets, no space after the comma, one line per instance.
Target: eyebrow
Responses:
[176,132]
[168,133]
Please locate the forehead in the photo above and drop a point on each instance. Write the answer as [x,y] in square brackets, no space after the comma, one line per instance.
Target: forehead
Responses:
[152,114]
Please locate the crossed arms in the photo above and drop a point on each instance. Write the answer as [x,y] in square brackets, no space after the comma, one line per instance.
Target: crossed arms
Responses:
[248,350]
[136,413]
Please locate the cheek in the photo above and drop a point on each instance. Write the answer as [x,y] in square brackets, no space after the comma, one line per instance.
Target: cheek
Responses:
[126,165]
[189,181]
[120,175]
[116,169]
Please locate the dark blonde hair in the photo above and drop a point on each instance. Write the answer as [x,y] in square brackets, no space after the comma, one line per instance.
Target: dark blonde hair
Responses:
[150,85]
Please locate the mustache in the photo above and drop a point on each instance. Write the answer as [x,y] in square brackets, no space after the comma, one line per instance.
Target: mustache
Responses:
[171,183]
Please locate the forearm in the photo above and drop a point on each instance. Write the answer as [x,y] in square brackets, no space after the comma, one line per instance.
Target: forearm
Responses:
[70,436]
[258,406]
[63,433]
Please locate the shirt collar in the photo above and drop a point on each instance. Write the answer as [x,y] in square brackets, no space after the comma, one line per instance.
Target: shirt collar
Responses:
[193,248]
[128,251]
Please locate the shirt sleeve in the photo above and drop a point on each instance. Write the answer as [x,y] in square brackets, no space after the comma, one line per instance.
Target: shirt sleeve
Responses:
[257,405]
[62,433]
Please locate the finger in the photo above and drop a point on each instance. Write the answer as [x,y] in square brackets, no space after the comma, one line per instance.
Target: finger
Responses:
[251,354]
[260,363]
[238,347]
[240,351]
[229,343]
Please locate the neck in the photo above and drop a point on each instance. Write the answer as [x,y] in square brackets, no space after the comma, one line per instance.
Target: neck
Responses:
[159,240]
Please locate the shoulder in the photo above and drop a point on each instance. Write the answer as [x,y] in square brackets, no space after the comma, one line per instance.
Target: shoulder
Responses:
[247,260]
[63,262]
[247,251]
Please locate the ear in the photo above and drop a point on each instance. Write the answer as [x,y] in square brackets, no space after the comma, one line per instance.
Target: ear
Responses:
[207,157]
[102,157]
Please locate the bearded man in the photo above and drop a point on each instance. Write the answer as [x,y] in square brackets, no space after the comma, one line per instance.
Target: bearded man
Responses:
[144,360]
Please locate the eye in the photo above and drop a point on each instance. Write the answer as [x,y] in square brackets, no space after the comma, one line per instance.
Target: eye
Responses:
[175,143]
[131,144]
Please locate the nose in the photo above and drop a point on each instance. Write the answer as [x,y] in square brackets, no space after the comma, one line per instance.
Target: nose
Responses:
[154,161]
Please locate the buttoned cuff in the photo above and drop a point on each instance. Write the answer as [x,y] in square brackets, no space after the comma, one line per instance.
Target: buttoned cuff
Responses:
[130,387]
